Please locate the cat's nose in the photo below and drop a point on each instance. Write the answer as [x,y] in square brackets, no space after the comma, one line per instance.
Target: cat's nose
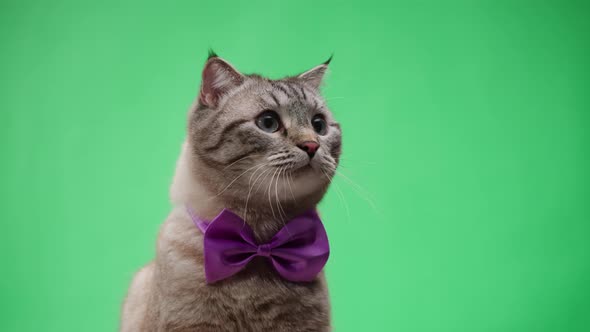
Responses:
[310,147]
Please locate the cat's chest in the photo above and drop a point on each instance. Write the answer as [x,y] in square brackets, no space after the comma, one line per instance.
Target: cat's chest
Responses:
[255,299]
[260,305]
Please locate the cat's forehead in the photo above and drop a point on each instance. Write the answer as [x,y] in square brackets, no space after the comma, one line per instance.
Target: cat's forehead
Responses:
[288,97]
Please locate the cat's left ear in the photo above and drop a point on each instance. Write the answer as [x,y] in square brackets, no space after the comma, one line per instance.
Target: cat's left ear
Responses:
[315,75]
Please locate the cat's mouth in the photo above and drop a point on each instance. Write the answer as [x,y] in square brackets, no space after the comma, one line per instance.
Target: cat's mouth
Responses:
[308,168]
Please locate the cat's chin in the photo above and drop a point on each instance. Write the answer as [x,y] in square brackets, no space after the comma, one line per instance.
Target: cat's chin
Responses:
[302,170]
[308,181]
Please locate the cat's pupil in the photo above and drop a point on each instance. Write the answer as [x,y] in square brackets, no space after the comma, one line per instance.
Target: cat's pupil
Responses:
[268,122]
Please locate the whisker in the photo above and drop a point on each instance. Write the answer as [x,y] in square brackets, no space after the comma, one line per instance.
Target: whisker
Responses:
[340,195]
[269,200]
[280,205]
[269,170]
[235,162]
[278,156]
[361,192]
[234,180]
[343,200]
[289,180]
[351,181]
[277,194]
[250,189]
[280,164]
[367,162]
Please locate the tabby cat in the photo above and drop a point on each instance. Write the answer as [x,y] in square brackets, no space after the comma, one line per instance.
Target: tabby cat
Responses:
[266,150]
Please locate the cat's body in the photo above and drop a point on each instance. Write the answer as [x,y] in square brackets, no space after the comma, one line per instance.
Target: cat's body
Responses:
[171,293]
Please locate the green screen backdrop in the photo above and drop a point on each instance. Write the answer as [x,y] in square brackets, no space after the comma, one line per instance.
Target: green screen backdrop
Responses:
[463,202]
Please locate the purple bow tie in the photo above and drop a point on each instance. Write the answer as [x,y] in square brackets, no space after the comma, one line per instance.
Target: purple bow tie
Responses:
[298,251]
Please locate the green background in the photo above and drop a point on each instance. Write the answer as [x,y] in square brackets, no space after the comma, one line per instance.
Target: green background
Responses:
[466,135]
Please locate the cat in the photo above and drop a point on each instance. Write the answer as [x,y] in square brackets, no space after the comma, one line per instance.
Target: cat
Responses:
[266,150]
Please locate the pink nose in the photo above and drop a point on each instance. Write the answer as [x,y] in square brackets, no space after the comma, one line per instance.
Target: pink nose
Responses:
[310,147]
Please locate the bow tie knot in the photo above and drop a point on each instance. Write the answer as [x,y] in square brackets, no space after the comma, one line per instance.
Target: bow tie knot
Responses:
[298,251]
[264,250]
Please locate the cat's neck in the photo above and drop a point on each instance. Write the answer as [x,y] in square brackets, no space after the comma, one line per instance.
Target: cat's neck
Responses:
[187,190]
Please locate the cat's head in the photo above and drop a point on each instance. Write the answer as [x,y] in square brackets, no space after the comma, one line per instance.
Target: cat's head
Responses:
[263,143]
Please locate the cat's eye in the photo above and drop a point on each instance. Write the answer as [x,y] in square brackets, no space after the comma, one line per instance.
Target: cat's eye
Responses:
[319,124]
[269,121]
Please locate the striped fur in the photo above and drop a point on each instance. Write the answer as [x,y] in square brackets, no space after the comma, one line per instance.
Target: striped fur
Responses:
[228,162]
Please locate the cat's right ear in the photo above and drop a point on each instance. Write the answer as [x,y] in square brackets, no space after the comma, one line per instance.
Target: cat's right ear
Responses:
[219,77]
[315,76]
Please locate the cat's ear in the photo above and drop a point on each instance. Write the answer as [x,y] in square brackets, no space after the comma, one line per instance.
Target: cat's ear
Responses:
[315,75]
[219,77]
